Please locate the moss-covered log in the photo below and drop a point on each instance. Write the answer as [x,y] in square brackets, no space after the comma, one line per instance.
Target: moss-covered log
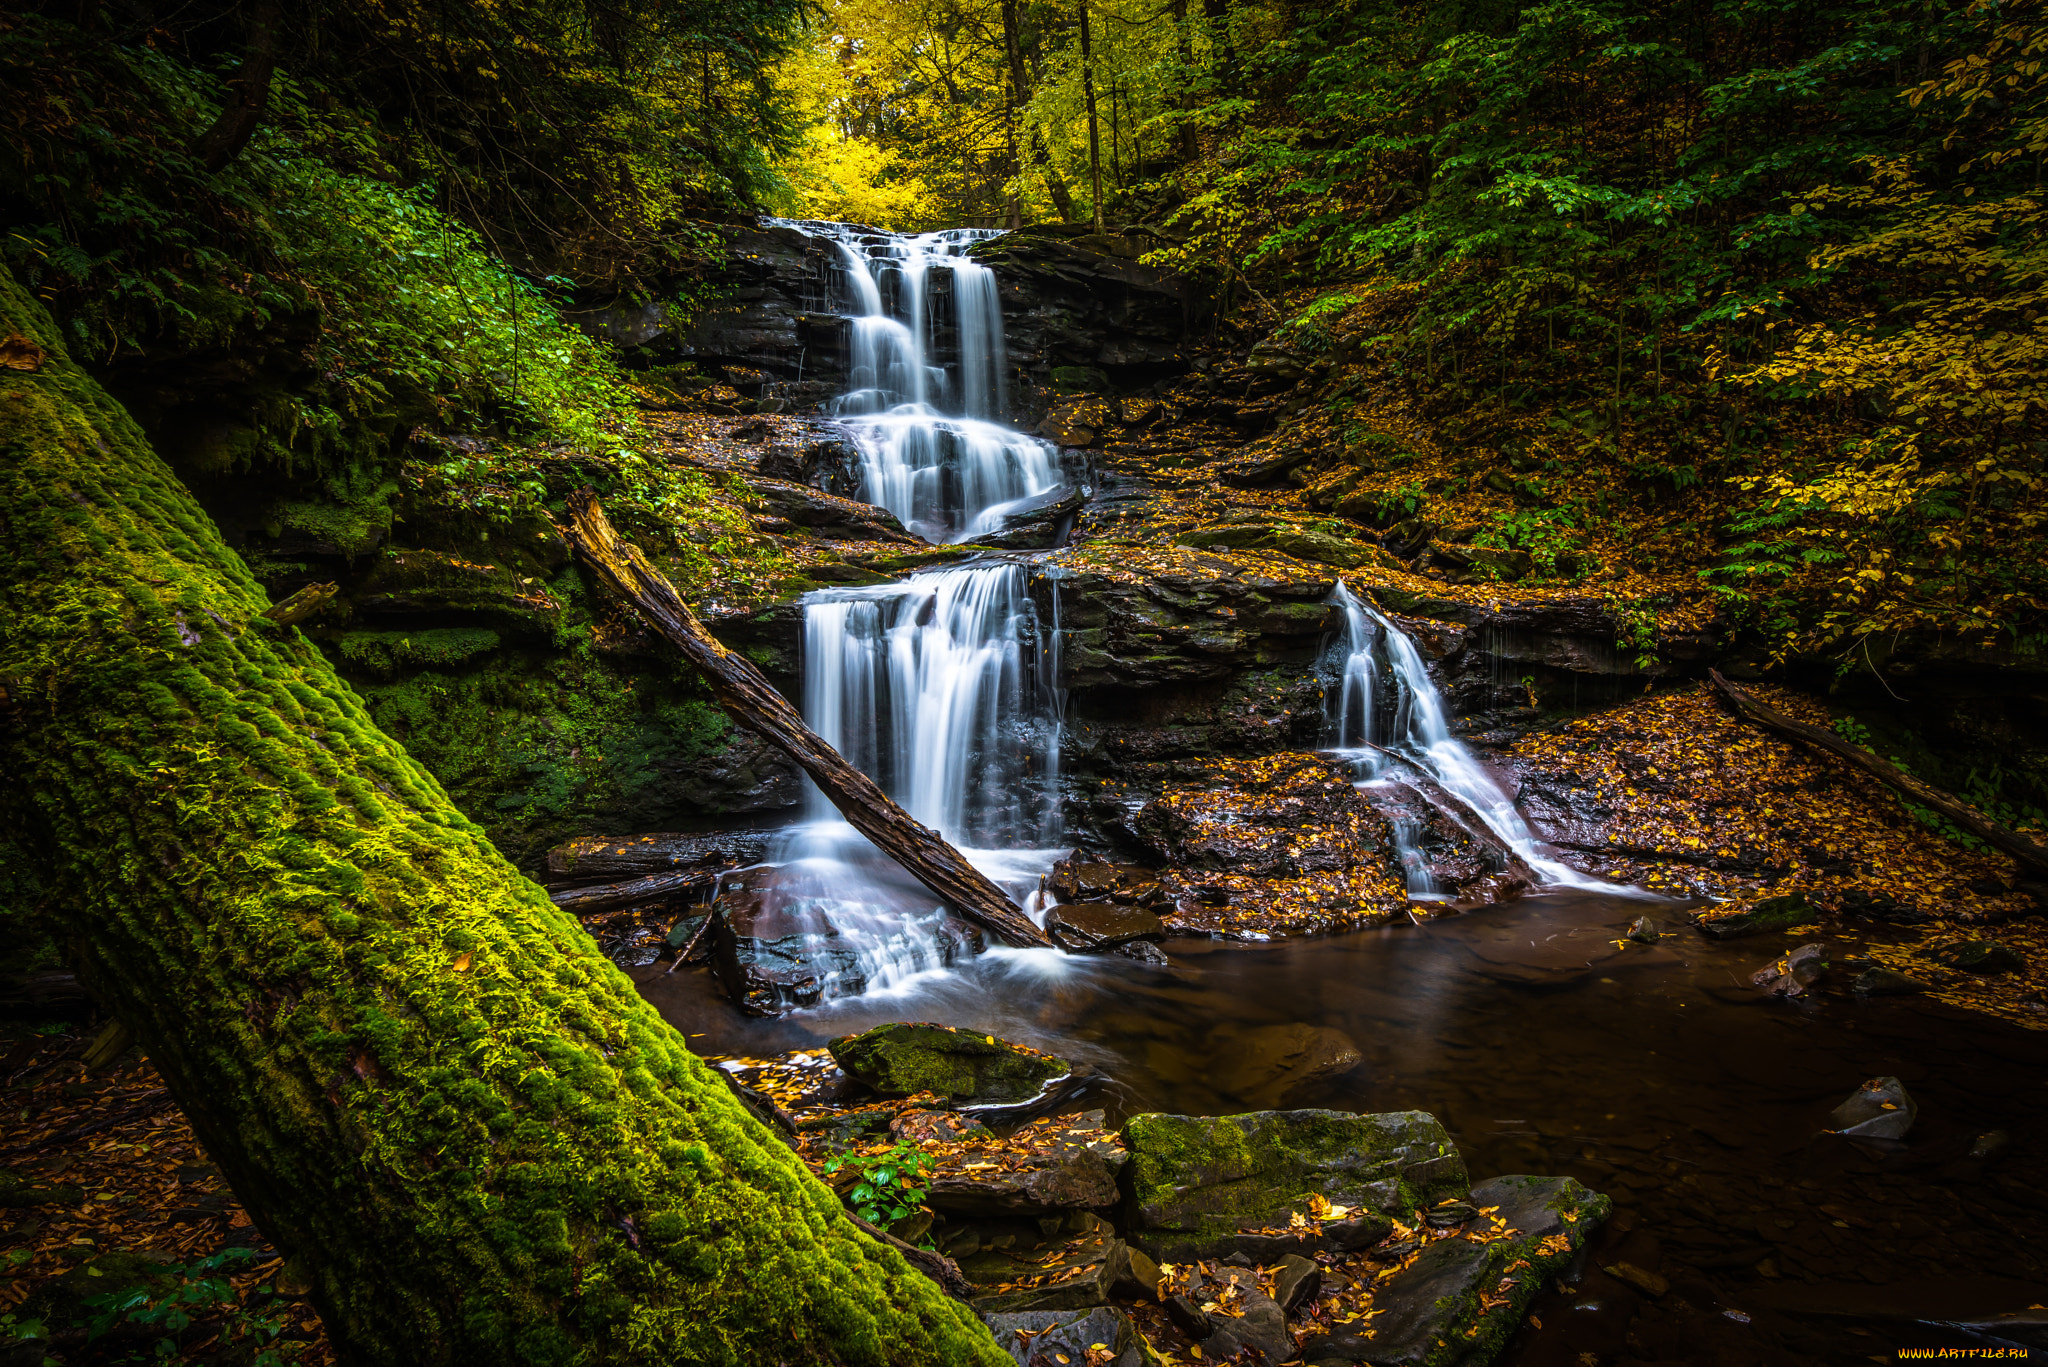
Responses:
[421,1077]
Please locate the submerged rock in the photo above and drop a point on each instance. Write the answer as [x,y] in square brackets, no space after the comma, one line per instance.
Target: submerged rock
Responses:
[1092,927]
[1981,956]
[1063,1338]
[1775,913]
[1209,1186]
[1880,1109]
[908,1057]
[1793,974]
[1885,982]
[1645,931]
[1268,1065]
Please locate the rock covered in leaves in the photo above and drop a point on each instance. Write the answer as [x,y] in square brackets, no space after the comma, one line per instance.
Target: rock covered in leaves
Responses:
[906,1057]
[1271,1183]
[1099,1337]
[1062,1163]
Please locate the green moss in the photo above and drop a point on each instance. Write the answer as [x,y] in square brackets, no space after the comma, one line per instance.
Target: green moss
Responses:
[903,1058]
[458,1151]
[386,653]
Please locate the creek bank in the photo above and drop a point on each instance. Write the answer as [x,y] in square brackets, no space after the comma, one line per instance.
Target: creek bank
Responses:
[1282,1230]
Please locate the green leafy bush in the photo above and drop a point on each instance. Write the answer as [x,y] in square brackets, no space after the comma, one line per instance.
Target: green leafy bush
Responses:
[892,1184]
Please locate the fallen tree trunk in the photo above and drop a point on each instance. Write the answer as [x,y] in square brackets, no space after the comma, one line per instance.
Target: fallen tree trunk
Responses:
[610,858]
[1969,818]
[754,703]
[607,896]
[422,1079]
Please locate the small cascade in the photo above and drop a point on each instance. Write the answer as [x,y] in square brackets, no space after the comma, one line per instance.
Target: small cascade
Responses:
[937,689]
[933,448]
[1388,709]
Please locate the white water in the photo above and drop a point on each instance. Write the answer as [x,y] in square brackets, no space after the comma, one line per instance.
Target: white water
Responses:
[1376,656]
[933,449]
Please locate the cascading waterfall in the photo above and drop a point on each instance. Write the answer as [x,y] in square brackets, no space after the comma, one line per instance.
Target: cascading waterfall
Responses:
[1376,656]
[933,449]
[936,689]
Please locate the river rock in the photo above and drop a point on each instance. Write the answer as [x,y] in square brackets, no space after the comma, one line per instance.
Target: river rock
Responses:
[1050,1165]
[1245,1317]
[1210,1186]
[1296,1281]
[1775,913]
[1461,1296]
[1644,931]
[1267,1065]
[776,952]
[1981,956]
[1880,1109]
[1794,973]
[1017,1267]
[1275,816]
[1063,1338]
[1093,927]
[908,1057]
[1885,982]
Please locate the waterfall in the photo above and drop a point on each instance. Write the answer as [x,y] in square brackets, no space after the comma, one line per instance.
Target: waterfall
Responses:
[933,449]
[1386,698]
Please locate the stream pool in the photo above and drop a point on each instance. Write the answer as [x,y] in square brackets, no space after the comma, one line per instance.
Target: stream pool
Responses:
[1656,1074]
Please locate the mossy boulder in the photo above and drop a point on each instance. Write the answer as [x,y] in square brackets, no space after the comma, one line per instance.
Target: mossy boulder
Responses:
[907,1057]
[1461,1297]
[1209,1186]
[1775,913]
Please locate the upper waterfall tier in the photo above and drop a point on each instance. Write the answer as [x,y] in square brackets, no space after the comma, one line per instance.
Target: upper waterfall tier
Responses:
[926,394]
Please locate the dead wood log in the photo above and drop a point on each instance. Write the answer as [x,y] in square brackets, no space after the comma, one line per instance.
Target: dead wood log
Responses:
[607,896]
[753,702]
[610,858]
[937,1266]
[1969,818]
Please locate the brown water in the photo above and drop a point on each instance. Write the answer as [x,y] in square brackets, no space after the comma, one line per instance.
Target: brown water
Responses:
[1653,1073]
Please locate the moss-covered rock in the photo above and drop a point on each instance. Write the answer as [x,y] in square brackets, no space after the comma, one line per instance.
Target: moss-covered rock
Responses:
[1209,1186]
[907,1057]
[1775,913]
[1302,544]
[1458,1301]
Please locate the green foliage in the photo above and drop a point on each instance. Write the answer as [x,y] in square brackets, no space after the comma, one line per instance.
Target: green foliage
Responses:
[1547,534]
[183,1294]
[892,1183]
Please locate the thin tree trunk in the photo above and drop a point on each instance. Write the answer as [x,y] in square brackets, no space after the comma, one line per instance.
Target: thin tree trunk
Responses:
[1013,52]
[248,93]
[1184,49]
[753,702]
[422,1079]
[1094,129]
[1055,184]
[1926,794]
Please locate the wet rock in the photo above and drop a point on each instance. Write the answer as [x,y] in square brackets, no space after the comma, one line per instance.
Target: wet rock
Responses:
[1642,1279]
[1144,952]
[1209,1186]
[1775,913]
[1075,1265]
[1462,1296]
[1036,523]
[827,515]
[1188,1317]
[1296,1281]
[776,952]
[1885,982]
[1141,1277]
[1645,931]
[1337,1348]
[1794,973]
[1274,817]
[1082,880]
[1266,1066]
[913,1057]
[927,1128]
[1981,956]
[1052,1165]
[1063,1338]
[1093,927]
[1245,1317]
[1990,1144]
[1880,1109]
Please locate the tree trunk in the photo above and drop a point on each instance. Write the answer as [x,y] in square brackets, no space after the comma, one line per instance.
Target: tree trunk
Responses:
[608,896]
[248,93]
[2008,842]
[1013,52]
[753,702]
[1094,132]
[1055,184]
[421,1078]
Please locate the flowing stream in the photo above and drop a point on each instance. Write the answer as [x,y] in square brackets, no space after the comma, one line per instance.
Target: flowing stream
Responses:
[927,393]
[1386,713]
